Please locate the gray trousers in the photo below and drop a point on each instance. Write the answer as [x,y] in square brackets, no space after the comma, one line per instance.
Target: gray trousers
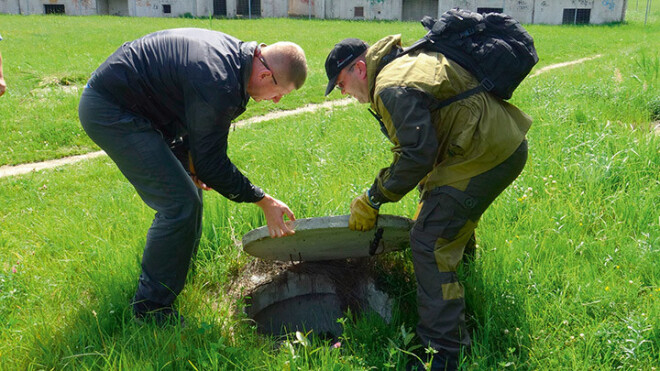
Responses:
[163,183]
[446,223]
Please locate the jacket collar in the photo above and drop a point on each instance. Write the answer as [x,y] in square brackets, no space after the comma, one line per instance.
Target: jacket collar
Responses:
[247,54]
[374,55]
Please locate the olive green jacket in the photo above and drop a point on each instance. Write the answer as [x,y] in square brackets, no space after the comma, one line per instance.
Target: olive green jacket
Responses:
[441,147]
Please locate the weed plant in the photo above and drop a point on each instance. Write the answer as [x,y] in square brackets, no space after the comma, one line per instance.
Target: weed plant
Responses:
[566,274]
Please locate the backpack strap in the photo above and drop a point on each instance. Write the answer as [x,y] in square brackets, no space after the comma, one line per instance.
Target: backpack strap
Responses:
[437,104]
[397,52]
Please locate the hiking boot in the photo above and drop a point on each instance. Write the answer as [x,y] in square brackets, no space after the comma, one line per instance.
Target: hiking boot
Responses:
[432,362]
[146,311]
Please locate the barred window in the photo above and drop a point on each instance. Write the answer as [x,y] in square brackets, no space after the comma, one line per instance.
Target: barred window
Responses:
[490,10]
[576,16]
[54,8]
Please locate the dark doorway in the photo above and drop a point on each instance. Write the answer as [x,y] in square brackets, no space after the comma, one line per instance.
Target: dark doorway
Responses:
[220,7]
[249,8]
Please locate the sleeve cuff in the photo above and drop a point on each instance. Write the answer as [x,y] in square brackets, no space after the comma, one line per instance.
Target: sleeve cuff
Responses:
[257,195]
[376,196]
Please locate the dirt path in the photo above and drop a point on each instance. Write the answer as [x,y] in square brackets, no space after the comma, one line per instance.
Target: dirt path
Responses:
[8,170]
[565,64]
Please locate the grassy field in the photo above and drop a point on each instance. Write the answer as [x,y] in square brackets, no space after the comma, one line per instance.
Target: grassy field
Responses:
[567,275]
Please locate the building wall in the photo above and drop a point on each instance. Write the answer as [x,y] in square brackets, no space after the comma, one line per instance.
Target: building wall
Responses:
[302,8]
[71,7]
[545,11]
[10,7]
[372,9]
[138,8]
[602,11]
[275,8]
[414,10]
[521,10]
[155,8]
[525,11]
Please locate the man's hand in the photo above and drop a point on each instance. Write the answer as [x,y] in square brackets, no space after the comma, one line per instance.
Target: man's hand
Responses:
[274,211]
[363,215]
[201,185]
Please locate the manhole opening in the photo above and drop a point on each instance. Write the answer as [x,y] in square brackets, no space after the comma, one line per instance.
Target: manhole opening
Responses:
[311,296]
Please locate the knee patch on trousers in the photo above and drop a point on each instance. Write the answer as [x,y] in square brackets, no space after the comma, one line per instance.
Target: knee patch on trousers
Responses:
[449,253]
[452,290]
[445,212]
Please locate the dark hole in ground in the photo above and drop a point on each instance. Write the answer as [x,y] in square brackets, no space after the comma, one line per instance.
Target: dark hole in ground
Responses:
[311,296]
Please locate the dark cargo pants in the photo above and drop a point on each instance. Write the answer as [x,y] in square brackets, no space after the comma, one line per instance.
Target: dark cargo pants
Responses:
[147,161]
[446,222]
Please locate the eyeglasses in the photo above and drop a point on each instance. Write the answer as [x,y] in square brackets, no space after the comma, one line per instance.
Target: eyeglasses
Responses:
[263,61]
[340,85]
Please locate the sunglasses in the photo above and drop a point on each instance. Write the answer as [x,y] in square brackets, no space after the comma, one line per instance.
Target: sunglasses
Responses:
[263,61]
[340,85]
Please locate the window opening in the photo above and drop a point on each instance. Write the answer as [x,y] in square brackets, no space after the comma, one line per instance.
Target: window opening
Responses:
[489,10]
[576,16]
[54,8]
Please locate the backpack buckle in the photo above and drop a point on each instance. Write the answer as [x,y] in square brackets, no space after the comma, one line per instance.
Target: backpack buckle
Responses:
[487,84]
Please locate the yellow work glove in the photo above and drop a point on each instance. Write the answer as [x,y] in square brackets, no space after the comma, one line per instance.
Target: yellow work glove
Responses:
[363,215]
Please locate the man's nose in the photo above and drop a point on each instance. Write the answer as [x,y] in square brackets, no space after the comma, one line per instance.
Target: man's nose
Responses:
[277,98]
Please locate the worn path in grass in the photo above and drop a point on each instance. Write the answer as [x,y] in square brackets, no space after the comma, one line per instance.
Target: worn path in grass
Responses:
[8,170]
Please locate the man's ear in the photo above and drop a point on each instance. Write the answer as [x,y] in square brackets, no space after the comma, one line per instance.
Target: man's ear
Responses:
[361,67]
[265,75]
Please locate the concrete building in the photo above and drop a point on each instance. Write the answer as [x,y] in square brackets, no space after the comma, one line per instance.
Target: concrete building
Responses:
[526,11]
[549,11]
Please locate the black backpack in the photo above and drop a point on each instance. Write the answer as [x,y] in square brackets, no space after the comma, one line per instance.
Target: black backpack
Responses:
[494,47]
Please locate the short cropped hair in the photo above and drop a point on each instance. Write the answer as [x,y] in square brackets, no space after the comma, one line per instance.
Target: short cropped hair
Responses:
[289,62]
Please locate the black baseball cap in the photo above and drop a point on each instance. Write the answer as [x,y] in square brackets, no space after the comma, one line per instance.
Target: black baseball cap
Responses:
[344,52]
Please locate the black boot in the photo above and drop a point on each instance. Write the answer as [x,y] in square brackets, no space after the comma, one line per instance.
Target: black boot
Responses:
[434,362]
[162,315]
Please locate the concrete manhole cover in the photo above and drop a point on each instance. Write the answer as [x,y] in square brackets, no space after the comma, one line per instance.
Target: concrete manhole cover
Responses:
[328,238]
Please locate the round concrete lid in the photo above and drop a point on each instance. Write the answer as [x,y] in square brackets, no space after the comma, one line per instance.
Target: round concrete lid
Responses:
[328,238]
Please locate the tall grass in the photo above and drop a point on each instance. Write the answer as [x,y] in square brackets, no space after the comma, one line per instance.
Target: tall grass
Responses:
[566,275]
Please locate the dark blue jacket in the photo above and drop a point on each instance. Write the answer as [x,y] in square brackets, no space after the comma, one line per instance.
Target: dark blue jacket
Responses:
[189,83]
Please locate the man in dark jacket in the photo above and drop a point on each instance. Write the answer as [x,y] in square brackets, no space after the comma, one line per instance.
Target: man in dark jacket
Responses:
[161,107]
[461,157]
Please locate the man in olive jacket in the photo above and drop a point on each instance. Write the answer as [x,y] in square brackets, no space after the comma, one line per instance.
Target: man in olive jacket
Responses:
[161,107]
[461,157]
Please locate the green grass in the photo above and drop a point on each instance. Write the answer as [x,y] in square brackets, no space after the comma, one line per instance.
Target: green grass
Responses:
[48,59]
[567,274]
